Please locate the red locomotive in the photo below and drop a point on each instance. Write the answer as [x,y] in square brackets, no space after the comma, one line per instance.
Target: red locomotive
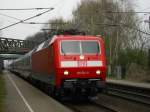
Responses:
[66,65]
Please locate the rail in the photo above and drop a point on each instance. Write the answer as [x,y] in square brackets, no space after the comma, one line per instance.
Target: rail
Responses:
[88,106]
[129,92]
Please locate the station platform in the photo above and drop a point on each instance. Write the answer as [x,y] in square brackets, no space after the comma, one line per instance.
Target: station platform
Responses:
[23,97]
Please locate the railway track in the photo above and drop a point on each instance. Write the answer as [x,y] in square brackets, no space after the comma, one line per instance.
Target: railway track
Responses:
[89,106]
[132,93]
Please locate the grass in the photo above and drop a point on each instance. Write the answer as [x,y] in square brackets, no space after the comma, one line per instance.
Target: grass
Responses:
[2,92]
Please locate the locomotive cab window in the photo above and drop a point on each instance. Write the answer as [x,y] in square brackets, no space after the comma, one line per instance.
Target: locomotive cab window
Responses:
[70,47]
[91,47]
[80,47]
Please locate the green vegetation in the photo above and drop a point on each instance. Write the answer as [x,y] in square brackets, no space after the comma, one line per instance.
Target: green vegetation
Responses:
[2,93]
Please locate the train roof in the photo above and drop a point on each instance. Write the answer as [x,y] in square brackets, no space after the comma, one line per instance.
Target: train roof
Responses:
[61,37]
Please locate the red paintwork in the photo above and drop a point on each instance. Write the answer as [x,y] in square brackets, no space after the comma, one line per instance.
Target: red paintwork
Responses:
[48,60]
[41,61]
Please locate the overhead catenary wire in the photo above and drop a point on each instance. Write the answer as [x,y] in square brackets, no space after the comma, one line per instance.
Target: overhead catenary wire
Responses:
[10,16]
[27,19]
[26,9]
[29,22]
[107,25]
[126,12]
[124,25]
[42,23]
[23,21]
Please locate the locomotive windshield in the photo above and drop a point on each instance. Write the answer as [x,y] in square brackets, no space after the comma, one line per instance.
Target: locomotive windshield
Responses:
[79,47]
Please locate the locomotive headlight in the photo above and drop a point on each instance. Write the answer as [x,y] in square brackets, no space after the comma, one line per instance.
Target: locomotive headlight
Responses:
[98,72]
[66,72]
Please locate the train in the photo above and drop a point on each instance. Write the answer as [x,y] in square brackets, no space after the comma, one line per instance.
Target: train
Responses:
[66,65]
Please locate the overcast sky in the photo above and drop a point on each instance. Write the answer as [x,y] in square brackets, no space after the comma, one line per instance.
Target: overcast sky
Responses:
[62,8]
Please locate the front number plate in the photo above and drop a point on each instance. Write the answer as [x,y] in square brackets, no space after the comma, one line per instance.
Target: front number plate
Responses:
[82,63]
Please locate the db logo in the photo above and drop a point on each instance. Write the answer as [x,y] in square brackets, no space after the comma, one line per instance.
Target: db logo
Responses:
[82,63]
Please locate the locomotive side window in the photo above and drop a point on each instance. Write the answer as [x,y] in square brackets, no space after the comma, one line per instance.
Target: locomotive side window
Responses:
[90,47]
[70,47]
